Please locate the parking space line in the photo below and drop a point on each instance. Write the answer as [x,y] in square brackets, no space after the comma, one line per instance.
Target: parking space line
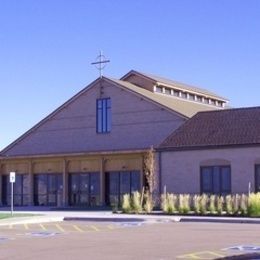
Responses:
[201,255]
[95,228]
[26,226]
[110,227]
[42,227]
[59,227]
[189,256]
[215,254]
[78,228]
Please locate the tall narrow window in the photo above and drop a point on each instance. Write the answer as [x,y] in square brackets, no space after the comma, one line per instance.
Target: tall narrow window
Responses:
[104,115]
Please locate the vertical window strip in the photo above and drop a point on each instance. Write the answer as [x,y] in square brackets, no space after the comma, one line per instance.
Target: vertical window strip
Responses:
[103,116]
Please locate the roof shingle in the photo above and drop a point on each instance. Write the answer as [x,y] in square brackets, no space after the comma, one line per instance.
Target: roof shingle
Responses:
[228,127]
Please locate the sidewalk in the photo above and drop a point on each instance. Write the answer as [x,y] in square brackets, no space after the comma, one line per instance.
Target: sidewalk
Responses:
[107,216]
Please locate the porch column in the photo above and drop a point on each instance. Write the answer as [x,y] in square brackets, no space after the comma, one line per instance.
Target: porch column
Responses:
[102,182]
[31,188]
[65,194]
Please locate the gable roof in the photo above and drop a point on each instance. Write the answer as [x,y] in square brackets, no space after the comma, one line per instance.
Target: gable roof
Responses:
[231,127]
[178,85]
[184,108]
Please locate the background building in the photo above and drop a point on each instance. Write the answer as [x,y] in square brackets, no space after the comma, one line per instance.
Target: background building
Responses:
[91,150]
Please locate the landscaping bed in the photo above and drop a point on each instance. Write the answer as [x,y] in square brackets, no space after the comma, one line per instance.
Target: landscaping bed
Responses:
[238,205]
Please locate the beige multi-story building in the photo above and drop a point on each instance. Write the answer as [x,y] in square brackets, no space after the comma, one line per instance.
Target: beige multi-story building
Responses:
[91,150]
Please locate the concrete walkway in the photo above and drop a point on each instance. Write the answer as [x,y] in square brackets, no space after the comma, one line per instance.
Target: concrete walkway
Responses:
[42,216]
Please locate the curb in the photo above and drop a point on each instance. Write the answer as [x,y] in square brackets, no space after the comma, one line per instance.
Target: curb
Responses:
[32,220]
[221,220]
[103,219]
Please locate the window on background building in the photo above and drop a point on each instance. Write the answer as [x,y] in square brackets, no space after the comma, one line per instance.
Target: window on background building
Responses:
[103,115]
[206,100]
[168,91]
[215,179]
[176,93]
[159,89]
[184,95]
[199,98]
[257,178]
[191,97]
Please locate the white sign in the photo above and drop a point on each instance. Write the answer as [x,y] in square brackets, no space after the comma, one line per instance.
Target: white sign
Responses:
[12,177]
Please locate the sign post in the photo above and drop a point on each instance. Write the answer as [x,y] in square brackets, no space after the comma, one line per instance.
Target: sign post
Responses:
[12,181]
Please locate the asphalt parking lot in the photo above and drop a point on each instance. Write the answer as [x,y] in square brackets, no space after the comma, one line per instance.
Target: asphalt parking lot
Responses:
[98,240]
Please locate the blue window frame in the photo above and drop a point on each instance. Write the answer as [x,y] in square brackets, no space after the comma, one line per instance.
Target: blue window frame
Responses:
[215,180]
[103,115]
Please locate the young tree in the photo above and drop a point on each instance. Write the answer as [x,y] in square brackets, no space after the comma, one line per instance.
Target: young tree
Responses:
[149,171]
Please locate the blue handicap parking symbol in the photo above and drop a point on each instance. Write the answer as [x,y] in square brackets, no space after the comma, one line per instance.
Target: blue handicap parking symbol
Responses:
[131,224]
[3,239]
[251,248]
[43,234]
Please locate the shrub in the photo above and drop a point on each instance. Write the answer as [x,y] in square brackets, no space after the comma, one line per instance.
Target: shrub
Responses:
[229,208]
[220,204]
[126,204]
[186,203]
[136,202]
[148,204]
[171,203]
[164,204]
[181,203]
[243,204]
[236,203]
[203,203]
[196,203]
[212,202]
[254,204]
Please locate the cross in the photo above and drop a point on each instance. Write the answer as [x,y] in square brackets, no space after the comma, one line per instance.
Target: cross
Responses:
[100,63]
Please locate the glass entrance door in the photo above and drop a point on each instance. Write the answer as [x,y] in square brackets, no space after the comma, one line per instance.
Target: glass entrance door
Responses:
[84,189]
[120,183]
[21,190]
[48,189]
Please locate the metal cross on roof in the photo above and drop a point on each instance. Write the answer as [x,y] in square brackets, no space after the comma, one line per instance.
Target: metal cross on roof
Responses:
[100,63]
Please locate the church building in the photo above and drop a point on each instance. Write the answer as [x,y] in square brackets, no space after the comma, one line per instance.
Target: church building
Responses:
[90,151]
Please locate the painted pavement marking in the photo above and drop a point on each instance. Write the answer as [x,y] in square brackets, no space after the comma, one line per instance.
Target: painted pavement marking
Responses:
[26,226]
[131,224]
[78,228]
[94,228]
[60,228]
[70,227]
[251,248]
[201,255]
[42,234]
[110,227]
[42,227]
[3,239]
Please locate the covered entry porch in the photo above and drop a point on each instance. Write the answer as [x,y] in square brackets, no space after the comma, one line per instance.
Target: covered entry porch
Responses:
[79,181]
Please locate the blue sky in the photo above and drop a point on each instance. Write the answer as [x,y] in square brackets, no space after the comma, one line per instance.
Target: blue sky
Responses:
[46,48]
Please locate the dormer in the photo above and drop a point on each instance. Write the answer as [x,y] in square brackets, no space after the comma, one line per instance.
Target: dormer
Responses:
[174,89]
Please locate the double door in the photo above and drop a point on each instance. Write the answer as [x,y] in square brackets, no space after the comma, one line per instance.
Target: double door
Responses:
[48,189]
[84,189]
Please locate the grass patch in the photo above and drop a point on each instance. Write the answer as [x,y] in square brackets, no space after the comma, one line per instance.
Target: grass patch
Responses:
[8,215]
